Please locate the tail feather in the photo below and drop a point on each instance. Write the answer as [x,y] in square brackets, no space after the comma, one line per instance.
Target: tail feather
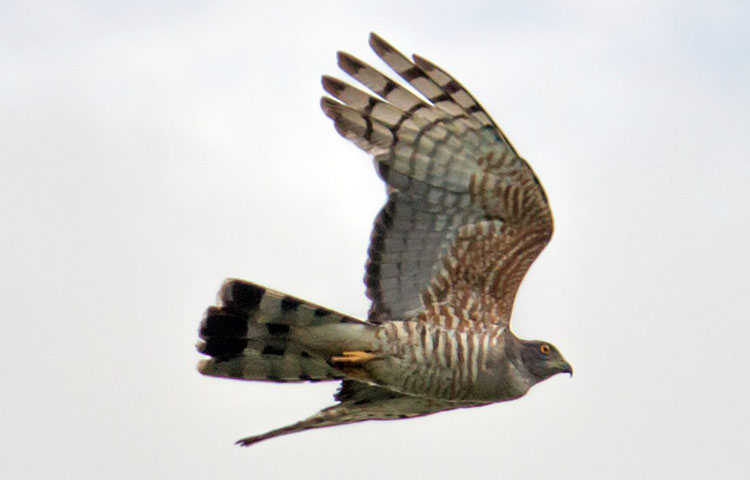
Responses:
[263,305]
[253,364]
[256,333]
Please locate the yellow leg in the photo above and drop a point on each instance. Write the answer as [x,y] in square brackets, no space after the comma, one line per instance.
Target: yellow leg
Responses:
[354,357]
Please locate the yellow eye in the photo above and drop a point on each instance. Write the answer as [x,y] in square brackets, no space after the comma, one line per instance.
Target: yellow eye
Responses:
[544,348]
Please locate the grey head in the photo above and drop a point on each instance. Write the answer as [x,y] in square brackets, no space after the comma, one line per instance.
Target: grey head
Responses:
[542,360]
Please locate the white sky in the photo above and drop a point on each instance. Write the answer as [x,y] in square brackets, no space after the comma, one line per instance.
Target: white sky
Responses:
[150,151]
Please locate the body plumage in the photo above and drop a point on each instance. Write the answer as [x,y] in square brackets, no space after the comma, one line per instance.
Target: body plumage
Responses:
[465,218]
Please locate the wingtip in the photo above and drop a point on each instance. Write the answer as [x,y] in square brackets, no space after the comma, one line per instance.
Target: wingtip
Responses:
[329,107]
[248,441]
[340,55]
[349,63]
[379,45]
[332,85]
[423,63]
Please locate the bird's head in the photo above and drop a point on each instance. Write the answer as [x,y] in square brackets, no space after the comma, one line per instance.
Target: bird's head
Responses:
[543,360]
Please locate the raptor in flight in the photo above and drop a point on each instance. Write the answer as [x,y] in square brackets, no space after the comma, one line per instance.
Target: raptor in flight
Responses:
[465,218]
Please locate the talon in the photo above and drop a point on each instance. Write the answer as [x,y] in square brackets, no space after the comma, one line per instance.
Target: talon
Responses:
[354,357]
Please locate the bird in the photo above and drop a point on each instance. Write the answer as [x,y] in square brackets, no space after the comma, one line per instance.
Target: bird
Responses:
[465,218]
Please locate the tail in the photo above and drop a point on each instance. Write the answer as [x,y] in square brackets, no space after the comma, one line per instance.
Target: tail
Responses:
[256,333]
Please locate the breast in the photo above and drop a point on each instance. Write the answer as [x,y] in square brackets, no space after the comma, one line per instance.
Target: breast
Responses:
[500,383]
[429,359]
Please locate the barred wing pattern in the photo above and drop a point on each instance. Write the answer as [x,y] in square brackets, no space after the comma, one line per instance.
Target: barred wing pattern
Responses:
[465,216]
[464,220]
[360,402]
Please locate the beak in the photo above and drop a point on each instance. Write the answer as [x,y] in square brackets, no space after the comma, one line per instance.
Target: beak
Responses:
[566,368]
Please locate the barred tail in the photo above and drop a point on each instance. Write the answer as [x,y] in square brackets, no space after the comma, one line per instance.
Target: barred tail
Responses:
[256,333]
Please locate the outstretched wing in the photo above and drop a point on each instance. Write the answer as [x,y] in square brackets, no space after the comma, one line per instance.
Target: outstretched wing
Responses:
[360,402]
[465,216]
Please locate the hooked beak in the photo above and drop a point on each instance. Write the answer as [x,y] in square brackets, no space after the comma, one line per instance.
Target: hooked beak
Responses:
[566,368]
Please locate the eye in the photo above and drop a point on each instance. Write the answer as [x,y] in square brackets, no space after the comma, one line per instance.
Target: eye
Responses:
[544,348]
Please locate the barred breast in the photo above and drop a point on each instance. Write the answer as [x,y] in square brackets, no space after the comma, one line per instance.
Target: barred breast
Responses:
[445,359]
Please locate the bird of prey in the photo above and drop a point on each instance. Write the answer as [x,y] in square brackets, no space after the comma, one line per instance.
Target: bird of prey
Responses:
[465,218]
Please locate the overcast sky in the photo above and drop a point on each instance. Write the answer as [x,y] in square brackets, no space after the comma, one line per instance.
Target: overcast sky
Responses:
[151,149]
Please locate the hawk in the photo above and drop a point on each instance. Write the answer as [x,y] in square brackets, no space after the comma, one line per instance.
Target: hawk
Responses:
[465,218]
